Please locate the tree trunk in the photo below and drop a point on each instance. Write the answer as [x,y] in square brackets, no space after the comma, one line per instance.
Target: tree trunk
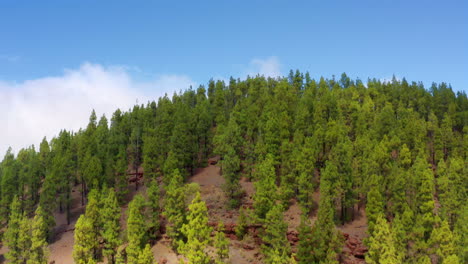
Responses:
[68,208]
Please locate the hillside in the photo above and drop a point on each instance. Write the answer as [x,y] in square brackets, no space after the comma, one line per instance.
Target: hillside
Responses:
[262,170]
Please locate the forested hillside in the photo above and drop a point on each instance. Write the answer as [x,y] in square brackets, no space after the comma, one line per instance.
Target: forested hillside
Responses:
[395,150]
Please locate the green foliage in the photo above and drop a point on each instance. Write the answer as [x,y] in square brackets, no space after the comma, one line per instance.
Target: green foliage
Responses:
[197,231]
[92,171]
[13,231]
[153,209]
[425,194]
[451,187]
[452,259]
[24,240]
[85,240]
[94,216]
[382,244]
[374,206]
[120,170]
[265,187]
[241,228]
[150,154]
[174,208]
[38,253]
[392,147]
[136,228]
[325,238]
[146,256]
[8,184]
[221,243]
[119,257]
[305,247]
[231,167]
[401,228]
[461,234]
[306,189]
[110,218]
[442,241]
[275,246]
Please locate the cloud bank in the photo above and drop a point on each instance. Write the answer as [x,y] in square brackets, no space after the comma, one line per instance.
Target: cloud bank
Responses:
[269,67]
[42,107]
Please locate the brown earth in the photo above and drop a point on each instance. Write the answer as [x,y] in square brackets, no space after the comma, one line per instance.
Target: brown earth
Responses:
[354,232]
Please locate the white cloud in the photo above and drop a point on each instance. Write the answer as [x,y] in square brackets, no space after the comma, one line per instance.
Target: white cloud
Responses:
[42,107]
[269,67]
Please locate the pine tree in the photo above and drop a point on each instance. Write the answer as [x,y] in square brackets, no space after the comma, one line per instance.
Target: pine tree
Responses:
[374,205]
[221,243]
[101,136]
[265,187]
[120,169]
[39,251]
[119,257]
[153,208]
[230,169]
[110,232]
[197,231]
[452,259]
[85,240]
[306,189]
[24,239]
[48,203]
[146,256]
[305,247]
[423,260]
[401,228]
[150,152]
[452,191]
[174,208]
[241,227]
[93,215]
[425,194]
[381,244]
[8,184]
[275,243]
[182,141]
[324,233]
[136,228]
[12,233]
[92,172]
[443,241]
[134,148]
[461,234]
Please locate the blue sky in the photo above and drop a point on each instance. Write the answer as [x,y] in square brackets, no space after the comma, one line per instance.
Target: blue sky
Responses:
[146,48]
[422,40]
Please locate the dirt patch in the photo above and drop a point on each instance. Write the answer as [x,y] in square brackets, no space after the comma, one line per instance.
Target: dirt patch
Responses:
[3,251]
[211,182]
[249,190]
[163,252]
[61,250]
[239,253]
[211,190]
[354,232]
[208,177]
[356,228]
[62,246]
